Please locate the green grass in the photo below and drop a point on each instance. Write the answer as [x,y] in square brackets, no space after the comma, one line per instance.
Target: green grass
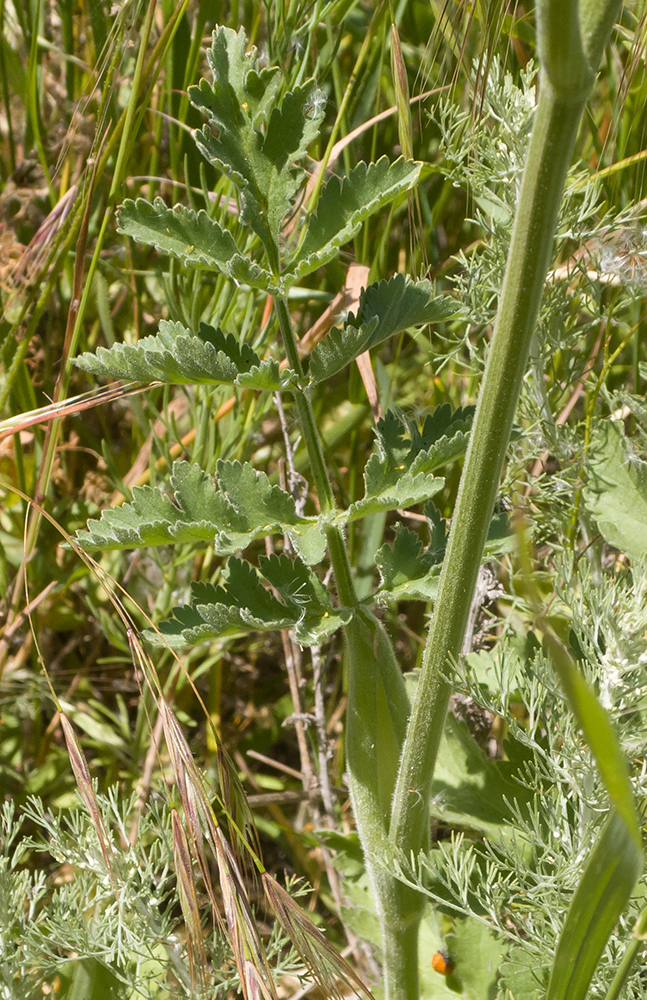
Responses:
[83,106]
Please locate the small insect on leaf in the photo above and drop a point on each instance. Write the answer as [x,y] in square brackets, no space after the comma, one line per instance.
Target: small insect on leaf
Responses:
[442,963]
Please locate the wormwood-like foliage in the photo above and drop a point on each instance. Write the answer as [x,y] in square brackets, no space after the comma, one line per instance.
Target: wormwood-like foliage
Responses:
[123,921]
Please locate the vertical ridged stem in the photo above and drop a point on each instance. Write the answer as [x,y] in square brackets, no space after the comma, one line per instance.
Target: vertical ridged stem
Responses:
[549,155]
[378,709]
[312,439]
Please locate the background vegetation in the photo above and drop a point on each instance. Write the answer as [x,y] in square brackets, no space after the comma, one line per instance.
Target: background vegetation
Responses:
[95,110]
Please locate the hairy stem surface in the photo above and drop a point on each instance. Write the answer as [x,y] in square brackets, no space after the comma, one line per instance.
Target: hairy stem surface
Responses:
[568,62]
[378,710]
[548,158]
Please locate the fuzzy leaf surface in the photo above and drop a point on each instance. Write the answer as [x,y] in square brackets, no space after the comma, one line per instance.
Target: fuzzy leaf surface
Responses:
[245,602]
[249,138]
[192,237]
[245,507]
[616,490]
[175,355]
[399,472]
[385,309]
[344,205]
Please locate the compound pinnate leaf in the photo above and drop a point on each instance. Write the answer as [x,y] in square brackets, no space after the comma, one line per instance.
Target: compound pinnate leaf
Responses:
[175,355]
[385,309]
[245,602]
[257,148]
[245,507]
[398,473]
[407,568]
[191,236]
[344,205]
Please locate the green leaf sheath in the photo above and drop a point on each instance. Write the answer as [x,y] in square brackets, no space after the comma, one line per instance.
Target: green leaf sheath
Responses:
[611,872]
[378,709]
[557,121]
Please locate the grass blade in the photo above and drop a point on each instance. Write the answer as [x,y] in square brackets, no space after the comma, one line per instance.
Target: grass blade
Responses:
[599,732]
[610,875]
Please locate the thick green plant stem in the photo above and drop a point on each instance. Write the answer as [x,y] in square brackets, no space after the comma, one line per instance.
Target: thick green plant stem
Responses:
[570,48]
[548,158]
[378,710]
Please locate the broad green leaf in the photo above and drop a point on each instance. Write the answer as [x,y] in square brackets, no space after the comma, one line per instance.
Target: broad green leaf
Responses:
[407,491]
[251,492]
[476,953]
[409,571]
[474,948]
[294,126]
[344,205]
[251,139]
[176,356]
[611,872]
[246,507]
[93,978]
[524,975]
[245,603]
[238,80]
[472,790]
[385,309]
[191,236]
[398,473]
[616,489]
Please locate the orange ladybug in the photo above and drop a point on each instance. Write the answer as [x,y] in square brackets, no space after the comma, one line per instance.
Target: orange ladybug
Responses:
[442,963]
